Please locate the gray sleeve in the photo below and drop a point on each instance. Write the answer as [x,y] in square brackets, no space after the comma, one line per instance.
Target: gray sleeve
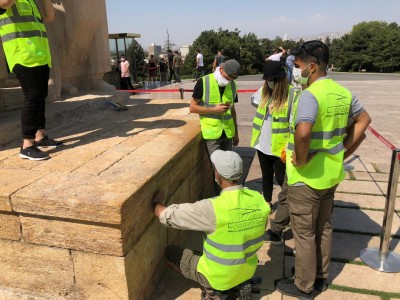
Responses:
[198,216]
[307,109]
[356,107]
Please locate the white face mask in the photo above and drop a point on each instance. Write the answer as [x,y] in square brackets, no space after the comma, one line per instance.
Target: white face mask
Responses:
[297,75]
[222,81]
[271,84]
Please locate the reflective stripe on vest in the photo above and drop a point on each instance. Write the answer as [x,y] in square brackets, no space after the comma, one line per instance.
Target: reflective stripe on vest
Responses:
[213,125]
[229,262]
[280,124]
[24,35]
[229,253]
[325,169]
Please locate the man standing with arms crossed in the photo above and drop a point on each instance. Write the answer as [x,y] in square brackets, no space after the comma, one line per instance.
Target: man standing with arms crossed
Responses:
[28,56]
[314,165]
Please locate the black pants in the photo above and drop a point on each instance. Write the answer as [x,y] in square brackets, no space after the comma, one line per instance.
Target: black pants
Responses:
[34,84]
[171,73]
[126,83]
[269,165]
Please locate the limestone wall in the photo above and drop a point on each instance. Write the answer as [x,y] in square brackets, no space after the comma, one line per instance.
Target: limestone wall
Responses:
[89,232]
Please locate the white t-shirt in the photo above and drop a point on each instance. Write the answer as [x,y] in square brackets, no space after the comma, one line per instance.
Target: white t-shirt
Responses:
[199,59]
[265,138]
[275,57]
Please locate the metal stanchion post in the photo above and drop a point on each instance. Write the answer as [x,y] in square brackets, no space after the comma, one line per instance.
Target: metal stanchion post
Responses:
[383,259]
[181,90]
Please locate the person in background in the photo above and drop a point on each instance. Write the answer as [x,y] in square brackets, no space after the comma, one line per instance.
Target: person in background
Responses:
[163,69]
[27,51]
[290,65]
[170,58]
[314,165]
[199,64]
[177,62]
[126,83]
[219,59]
[218,270]
[152,69]
[277,55]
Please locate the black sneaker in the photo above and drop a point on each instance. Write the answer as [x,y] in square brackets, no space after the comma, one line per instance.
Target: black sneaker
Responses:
[287,287]
[33,153]
[273,237]
[47,142]
[320,285]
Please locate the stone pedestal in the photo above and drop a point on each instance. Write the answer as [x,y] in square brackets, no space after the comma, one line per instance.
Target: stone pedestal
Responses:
[80,225]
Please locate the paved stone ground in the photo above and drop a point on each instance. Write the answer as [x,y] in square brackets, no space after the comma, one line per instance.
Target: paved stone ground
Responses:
[357,216]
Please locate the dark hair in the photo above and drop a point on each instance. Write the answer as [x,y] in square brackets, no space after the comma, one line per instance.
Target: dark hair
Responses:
[315,51]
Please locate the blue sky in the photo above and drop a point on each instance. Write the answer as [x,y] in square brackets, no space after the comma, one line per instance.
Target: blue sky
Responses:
[185,20]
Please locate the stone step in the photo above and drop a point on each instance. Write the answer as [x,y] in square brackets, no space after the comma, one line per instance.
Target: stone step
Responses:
[64,111]
[356,276]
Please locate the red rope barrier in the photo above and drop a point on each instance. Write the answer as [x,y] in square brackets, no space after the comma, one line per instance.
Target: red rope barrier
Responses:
[382,139]
[175,91]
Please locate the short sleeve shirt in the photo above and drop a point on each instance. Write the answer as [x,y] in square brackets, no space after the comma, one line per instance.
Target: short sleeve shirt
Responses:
[307,108]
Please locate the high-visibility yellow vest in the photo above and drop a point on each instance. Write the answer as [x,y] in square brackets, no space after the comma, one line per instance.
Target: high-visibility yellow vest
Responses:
[280,124]
[229,254]
[212,125]
[24,35]
[325,169]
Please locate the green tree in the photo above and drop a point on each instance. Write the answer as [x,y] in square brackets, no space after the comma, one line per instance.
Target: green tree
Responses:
[136,56]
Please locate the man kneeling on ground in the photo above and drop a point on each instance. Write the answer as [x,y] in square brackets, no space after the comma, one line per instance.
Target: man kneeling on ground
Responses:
[235,224]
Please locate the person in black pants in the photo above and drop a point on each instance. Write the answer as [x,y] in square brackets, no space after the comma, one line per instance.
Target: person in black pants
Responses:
[28,56]
[171,65]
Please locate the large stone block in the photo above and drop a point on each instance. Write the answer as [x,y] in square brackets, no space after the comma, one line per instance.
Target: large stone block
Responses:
[9,226]
[73,196]
[72,235]
[40,270]
[100,277]
[144,262]
[14,180]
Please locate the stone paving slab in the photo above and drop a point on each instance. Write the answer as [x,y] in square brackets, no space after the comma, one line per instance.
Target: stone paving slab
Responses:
[364,221]
[339,295]
[346,274]
[12,181]
[348,245]
[362,201]
[360,187]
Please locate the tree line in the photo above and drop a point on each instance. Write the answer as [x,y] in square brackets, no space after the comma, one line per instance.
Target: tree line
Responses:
[370,46]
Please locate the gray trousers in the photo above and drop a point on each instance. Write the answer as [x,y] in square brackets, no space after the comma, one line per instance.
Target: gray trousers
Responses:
[282,217]
[310,214]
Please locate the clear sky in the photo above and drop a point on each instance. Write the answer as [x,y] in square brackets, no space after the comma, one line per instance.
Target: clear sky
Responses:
[185,20]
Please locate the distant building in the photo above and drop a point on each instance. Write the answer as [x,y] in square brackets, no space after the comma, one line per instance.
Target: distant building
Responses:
[322,36]
[154,49]
[184,50]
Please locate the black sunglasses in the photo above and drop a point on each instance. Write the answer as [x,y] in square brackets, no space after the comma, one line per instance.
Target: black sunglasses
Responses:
[304,46]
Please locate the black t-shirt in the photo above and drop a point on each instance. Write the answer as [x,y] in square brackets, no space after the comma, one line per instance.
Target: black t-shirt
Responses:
[198,91]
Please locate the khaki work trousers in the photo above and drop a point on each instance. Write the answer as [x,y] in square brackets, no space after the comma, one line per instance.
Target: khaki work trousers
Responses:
[310,215]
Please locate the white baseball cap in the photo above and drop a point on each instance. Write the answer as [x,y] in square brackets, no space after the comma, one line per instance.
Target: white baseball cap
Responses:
[228,164]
